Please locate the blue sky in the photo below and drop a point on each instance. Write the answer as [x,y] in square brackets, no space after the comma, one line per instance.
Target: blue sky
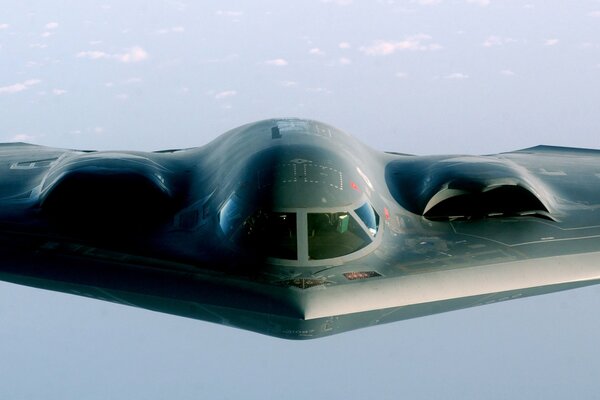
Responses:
[420,76]
[415,76]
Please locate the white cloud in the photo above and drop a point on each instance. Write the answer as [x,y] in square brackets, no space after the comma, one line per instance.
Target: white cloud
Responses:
[277,62]
[122,96]
[4,26]
[46,34]
[22,137]
[428,2]
[19,87]
[318,90]
[401,75]
[51,25]
[481,3]
[58,92]
[507,72]
[93,54]
[551,42]
[95,129]
[338,2]
[132,55]
[345,61]
[230,13]
[288,83]
[594,14]
[494,40]
[344,45]
[225,94]
[456,76]
[173,29]
[418,42]
[316,51]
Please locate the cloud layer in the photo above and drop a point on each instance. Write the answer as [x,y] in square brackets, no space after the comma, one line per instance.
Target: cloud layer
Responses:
[132,55]
[419,42]
[19,87]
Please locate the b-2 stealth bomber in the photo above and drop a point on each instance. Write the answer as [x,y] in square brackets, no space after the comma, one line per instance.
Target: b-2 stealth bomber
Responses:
[294,229]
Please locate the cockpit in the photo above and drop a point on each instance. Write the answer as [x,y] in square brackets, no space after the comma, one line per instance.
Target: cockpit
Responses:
[301,204]
[307,235]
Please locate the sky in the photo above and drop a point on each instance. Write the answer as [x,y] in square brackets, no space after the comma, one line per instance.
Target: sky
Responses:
[415,76]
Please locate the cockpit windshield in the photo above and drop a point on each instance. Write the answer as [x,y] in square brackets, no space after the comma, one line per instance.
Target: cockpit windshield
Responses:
[275,234]
[333,235]
[266,233]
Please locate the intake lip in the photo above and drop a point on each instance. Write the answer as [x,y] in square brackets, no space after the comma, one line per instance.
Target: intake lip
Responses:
[466,187]
[107,190]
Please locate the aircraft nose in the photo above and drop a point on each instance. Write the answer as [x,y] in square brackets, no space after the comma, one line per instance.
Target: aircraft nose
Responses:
[300,205]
